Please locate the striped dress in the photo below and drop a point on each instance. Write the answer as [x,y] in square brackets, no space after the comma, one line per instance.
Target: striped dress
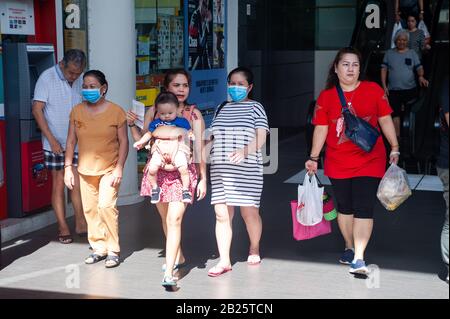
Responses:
[234,128]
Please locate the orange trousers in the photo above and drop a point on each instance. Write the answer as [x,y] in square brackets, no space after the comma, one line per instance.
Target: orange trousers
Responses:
[102,216]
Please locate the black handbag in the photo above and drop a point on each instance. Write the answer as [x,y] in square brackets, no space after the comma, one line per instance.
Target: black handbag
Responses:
[360,132]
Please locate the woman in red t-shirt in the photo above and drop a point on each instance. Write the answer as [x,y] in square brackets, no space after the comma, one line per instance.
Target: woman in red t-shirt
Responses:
[354,174]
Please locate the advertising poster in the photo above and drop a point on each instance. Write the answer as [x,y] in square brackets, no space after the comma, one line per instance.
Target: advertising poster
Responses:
[164,43]
[200,34]
[17,17]
[176,37]
[205,57]
[219,38]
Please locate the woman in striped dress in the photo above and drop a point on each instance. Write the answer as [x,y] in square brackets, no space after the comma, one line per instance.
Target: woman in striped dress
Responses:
[239,131]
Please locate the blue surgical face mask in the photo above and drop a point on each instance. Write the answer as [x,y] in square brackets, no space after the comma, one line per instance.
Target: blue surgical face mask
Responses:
[91,95]
[237,92]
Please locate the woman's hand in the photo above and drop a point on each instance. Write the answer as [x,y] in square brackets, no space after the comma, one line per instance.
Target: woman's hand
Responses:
[69,178]
[394,156]
[201,189]
[131,118]
[423,82]
[116,176]
[138,145]
[237,156]
[311,167]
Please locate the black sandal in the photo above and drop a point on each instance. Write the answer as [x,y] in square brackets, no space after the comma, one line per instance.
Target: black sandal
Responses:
[94,258]
[112,261]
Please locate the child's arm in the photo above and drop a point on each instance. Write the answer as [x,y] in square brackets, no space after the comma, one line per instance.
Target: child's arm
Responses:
[143,141]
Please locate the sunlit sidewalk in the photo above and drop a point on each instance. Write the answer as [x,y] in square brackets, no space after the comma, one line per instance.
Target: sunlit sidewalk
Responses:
[404,254]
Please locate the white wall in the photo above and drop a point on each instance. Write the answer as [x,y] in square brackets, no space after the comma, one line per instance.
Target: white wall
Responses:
[232,34]
[112,47]
[59,30]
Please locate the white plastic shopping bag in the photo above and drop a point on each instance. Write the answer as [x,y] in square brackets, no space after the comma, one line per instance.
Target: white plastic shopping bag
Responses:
[394,188]
[310,202]
[422,26]
[397,28]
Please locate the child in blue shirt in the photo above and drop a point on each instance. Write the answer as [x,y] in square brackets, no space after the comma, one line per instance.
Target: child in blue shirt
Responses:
[168,150]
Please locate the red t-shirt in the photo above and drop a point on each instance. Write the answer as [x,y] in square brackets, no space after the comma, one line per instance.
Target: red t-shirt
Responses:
[344,159]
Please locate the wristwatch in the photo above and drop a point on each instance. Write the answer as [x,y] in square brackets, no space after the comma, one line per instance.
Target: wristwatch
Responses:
[132,125]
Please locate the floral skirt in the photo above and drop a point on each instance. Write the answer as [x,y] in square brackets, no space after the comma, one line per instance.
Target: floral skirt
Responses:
[170,184]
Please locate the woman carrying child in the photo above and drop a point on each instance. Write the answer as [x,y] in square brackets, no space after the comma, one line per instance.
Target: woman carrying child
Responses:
[171,206]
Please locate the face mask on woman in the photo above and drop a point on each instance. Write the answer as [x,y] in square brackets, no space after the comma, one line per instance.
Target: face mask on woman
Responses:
[237,92]
[91,95]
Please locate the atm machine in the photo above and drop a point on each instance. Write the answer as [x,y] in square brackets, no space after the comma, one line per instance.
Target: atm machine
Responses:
[29,182]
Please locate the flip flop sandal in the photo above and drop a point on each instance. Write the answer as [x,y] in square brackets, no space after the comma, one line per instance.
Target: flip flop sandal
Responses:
[65,239]
[217,271]
[94,258]
[254,260]
[175,267]
[169,281]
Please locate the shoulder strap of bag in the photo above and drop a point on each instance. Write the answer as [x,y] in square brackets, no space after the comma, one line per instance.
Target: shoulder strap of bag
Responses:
[341,96]
[220,107]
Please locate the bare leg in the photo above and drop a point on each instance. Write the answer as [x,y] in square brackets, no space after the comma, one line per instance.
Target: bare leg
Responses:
[362,231]
[174,219]
[58,201]
[253,223]
[162,210]
[75,196]
[346,226]
[153,175]
[224,232]
[184,173]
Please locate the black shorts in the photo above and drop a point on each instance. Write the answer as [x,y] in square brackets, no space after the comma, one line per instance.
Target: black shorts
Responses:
[356,196]
[399,98]
[55,162]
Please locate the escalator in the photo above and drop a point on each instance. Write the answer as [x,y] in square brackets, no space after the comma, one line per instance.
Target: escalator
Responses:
[420,130]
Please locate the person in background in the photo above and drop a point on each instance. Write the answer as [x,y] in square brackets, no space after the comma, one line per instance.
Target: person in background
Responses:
[416,37]
[355,174]
[398,77]
[404,8]
[57,90]
[99,128]
[442,167]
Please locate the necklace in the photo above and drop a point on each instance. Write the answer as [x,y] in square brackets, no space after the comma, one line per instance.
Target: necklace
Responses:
[340,125]
[349,103]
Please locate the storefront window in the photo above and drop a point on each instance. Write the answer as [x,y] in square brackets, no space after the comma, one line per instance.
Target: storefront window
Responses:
[159,32]
[335,21]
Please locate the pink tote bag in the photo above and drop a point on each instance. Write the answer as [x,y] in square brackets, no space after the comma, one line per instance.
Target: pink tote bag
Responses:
[301,232]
